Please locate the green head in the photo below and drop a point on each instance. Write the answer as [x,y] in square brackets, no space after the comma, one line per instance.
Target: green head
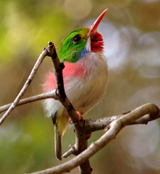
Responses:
[80,41]
[73,44]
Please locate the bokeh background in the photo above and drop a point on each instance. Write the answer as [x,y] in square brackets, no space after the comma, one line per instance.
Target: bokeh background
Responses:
[131,30]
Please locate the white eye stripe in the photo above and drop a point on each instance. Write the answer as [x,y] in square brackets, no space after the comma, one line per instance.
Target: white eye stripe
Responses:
[88,44]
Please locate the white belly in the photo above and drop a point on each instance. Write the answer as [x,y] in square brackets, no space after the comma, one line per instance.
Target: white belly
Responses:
[84,93]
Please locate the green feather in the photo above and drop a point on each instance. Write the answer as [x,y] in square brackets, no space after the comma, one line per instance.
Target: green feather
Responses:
[69,51]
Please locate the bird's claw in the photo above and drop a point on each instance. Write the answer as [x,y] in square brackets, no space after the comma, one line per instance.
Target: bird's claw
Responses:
[80,117]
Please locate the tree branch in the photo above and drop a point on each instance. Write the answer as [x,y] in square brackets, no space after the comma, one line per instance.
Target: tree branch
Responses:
[58,67]
[101,123]
[81,138]
[111,132]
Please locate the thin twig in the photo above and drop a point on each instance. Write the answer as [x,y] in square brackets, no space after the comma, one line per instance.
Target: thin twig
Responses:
[101,123]
[69,152]
[51,94]
[25,86]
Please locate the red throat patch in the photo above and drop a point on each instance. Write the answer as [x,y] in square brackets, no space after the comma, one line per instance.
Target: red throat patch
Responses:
[96,42]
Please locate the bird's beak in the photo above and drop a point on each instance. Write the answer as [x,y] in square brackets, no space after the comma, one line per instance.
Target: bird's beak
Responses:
[94,26]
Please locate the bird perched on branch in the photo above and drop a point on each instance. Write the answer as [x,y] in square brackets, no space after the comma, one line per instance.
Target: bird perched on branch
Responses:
[85,76]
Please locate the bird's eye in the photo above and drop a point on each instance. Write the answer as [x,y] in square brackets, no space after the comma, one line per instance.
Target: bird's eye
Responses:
[77,39]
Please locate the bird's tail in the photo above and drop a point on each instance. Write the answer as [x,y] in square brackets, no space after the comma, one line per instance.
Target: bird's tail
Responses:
[58,143]
[60,120]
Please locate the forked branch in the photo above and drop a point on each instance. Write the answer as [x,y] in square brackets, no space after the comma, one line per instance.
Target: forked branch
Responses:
[112,129]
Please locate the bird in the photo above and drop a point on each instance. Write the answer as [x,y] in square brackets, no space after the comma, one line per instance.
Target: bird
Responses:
[85,76]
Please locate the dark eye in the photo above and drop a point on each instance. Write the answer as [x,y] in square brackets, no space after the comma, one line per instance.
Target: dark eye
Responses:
[77,39]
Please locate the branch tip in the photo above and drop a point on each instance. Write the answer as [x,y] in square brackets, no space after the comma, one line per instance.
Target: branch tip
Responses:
[50,43]
[71,151]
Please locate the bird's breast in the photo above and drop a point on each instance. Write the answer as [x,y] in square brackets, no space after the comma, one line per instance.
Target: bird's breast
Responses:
[88,84]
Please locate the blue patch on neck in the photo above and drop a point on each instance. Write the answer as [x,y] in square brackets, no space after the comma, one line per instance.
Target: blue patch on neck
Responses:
[83,53]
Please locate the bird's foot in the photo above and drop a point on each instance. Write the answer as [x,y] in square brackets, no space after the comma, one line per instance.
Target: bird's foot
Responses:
[80,117]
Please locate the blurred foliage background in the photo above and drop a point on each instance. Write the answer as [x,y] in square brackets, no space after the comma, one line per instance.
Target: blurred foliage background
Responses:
[131,30]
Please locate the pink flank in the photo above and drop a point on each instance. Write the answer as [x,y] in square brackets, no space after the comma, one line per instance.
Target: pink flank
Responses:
[70,71]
